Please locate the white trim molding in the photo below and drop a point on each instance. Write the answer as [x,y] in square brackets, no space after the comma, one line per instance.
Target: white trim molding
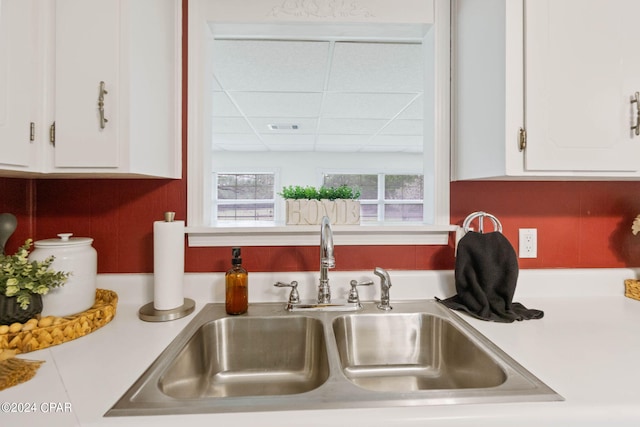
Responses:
[308,235]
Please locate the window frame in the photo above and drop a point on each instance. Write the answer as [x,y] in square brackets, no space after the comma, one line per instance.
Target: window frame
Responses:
[436,164]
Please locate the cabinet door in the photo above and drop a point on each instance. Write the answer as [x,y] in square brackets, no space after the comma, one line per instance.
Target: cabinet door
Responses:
[582,69]
[19,87]
[87,53]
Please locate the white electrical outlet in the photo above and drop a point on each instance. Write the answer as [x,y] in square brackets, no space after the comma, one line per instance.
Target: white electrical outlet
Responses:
[528,243]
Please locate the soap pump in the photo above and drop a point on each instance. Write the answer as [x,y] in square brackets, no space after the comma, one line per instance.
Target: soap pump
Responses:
[236,285]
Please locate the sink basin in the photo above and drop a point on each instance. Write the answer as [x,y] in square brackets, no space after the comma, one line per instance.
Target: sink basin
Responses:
[420,353]
[409,352]
[245,356]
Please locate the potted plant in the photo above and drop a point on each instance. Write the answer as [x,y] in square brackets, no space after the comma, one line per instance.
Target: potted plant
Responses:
[22,284]
[307,205]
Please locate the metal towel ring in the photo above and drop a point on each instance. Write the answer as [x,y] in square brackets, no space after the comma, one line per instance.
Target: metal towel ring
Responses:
[481,215]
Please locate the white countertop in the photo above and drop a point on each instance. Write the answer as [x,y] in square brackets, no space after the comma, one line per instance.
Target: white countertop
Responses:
[586,348]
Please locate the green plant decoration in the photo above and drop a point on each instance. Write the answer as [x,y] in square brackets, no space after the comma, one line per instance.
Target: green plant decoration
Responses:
[20,278]
[312,193]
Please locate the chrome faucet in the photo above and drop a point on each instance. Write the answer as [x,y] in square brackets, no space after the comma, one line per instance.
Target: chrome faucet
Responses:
[327,261]
[385,284]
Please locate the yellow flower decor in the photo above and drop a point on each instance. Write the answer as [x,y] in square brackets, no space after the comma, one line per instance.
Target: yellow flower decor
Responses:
[21,278]
[635,227]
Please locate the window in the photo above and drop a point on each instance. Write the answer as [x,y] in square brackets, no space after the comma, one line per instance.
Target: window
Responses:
[243,197]
[284,94]
[385,197]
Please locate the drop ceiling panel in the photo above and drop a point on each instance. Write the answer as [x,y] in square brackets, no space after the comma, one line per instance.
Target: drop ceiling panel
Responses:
[288,148]
[343,148]
[222,106]
[278,104]
[231,125]
[289,142]
[339,94]
[376,67]
[270,65]
[237,142]
[351,126]
[396,143]
[365,105]
[341,143]
[403,127]
[413,111]
[215,86]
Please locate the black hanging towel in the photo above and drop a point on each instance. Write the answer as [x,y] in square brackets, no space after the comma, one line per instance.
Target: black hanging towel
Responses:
[486,274]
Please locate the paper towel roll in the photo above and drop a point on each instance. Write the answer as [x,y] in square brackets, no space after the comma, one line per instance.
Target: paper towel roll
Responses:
[168,264]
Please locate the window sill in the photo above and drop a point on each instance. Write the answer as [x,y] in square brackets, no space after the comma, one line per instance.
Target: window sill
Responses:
[303,235]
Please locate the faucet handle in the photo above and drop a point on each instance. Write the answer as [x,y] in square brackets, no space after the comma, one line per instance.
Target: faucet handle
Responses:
[353,293]
[294,297]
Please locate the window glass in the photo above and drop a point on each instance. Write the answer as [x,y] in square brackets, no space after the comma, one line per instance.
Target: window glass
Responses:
[244,197]
[385,198]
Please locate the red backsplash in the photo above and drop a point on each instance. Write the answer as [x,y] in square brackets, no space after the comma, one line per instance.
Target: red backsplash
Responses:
[580,224]
[17,197]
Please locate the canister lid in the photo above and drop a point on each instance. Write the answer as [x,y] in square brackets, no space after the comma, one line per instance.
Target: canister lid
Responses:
[64,239]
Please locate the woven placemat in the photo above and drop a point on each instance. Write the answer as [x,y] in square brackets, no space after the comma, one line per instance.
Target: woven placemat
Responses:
[39,333]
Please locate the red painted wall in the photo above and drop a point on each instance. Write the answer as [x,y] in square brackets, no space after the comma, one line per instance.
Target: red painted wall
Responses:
[17,197]
[580,224]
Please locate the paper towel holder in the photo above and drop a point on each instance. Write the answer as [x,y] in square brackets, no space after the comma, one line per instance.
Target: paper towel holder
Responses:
[148,312]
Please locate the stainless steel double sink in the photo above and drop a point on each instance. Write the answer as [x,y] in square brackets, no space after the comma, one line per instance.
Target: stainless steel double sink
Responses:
[420,353]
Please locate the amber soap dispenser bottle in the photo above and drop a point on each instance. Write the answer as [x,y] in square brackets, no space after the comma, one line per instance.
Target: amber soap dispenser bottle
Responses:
[236,285]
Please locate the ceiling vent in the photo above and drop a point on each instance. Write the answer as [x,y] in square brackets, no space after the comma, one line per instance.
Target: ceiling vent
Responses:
[283,127]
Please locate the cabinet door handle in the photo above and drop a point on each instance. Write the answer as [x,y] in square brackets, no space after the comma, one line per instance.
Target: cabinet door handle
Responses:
[103,92]
[636,99]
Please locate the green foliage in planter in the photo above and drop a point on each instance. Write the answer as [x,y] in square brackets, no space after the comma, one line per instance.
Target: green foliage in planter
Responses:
[330,193]
[20,277]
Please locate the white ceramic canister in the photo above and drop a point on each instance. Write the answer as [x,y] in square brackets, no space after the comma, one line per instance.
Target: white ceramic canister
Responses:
[76,256]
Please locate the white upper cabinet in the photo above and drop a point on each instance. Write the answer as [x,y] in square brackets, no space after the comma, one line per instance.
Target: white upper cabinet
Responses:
[118,87]
[88,87]
[543,91]
[111,93]
[20,62]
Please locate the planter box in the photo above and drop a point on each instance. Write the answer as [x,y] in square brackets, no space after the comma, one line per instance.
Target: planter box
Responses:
[310,212]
